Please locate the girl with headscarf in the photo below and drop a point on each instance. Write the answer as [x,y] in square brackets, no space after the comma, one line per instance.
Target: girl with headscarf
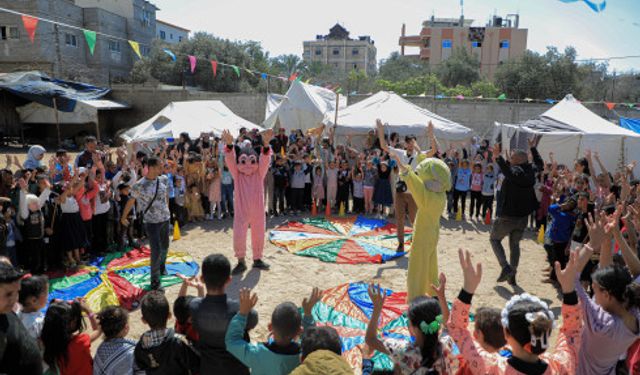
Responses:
[34,157]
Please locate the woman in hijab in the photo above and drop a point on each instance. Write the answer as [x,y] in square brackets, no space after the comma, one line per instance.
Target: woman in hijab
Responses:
[34,157]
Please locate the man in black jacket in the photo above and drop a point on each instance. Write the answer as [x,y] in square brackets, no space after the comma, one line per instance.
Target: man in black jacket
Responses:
[517,202]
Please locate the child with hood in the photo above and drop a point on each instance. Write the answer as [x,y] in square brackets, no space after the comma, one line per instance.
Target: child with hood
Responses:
[34,157]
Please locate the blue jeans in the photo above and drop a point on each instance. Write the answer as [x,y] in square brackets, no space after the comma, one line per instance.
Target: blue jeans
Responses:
[227,198]
[159,242]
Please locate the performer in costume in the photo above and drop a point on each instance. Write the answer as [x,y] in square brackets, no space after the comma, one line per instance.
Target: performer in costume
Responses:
[428,185]
[248,170]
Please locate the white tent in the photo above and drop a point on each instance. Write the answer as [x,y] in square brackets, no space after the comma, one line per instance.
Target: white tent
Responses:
[85,112]
[194,117]
[568,129]
[302,107]
[400,116]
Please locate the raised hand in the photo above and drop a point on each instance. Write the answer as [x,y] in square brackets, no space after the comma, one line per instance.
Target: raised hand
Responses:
[567,276]
[267,135]
[440,289]
[472,275]
[596,229]
[496,150]
[309,302]
[247,301]
[377,296]
[227,138]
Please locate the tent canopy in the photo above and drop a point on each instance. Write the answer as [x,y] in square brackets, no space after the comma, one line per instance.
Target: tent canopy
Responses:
[632,124]
[402,117]
[302,107]
[193,117]
[38,87]
[85,112]
[568,129]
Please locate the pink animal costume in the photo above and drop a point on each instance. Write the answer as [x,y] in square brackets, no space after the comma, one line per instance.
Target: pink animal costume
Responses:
[248,171]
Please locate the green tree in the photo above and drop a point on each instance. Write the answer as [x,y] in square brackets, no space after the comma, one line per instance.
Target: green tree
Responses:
[525,77]
[401,68]
[461,68]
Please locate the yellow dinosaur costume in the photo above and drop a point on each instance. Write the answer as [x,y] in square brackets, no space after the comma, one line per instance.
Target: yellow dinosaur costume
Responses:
[428,186]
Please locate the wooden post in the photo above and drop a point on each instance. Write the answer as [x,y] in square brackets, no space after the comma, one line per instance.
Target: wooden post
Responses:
[98,125]
[335,121]
[55,109]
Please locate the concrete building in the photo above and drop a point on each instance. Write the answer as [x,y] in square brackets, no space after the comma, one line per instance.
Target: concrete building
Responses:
[498,41]
[171,34]
[63,52]
[341,52]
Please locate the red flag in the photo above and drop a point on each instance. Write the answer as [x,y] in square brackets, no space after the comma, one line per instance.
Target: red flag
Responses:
[30,24]
[609,105]
[293,77]
[214,66]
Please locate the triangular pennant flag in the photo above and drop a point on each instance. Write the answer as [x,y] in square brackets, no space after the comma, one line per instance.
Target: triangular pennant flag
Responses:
[263,76]
[193,62]
[136,48]
[236,69]
[90,36]
[307,81]
[293,77]
[460,97]
[479,97]
[502,97]
[214,66]
[609,105]
[171,54]
[630,105]
[528,100]
[30,24]
[339,90]
[550,101]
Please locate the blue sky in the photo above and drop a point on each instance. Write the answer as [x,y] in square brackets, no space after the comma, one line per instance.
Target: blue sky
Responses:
[282,25]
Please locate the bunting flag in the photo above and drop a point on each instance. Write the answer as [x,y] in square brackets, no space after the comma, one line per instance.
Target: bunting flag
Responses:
[307,81]
[609,105]
[263,76]
[193,61]
[293,77]
[596,6]
[214,67]
[528,100]
[171,54]
[236,69]
[136,48]
[460,97]
[479,97]
[90,36]
[439,96]
[339,90]
[30,24]
[502,97]
[550,101]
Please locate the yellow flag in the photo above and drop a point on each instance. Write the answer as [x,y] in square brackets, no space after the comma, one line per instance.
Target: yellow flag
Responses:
[136,48]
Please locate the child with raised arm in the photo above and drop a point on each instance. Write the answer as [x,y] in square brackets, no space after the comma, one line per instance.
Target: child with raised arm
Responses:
[527,322]
[282,355]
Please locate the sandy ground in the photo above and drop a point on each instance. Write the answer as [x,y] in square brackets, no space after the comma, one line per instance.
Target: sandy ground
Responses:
[292,277]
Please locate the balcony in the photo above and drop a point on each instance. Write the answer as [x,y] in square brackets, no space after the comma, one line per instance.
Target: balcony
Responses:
[411,41]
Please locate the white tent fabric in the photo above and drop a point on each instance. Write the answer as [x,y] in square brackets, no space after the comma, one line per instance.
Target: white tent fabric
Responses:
[568,129]
[85,112]
[401,116]
[194,117]
[302,107]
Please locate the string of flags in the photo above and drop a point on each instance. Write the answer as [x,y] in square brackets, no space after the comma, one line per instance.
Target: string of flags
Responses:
[503,97]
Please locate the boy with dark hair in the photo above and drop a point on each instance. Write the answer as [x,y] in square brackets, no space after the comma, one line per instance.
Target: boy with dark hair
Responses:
[160,350]
[19,353]
[34,292]
[322,353]
[115,355]
[211,316]
[282,355]
[488,330]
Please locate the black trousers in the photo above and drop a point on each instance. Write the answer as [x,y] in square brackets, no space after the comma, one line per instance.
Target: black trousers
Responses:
[307,195]
[358,205]
[476,203]
[34,254]
[278,199]
[557,252]
[487,205]
[297,198]
[99,230]
[459,195]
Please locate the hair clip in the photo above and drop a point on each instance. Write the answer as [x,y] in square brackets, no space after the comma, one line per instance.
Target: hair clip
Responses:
[431,328]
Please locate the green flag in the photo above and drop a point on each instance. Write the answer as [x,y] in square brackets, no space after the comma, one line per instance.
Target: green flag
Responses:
[502,97]
[236,69]
[90,36]
[630,105]
[339,90]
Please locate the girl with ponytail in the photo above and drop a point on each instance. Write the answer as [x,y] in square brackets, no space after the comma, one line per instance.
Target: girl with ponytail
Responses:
[527,323]
[431,354]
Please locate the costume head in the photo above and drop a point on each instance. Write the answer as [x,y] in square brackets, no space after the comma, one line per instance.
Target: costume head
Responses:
[435,175]
[247,159]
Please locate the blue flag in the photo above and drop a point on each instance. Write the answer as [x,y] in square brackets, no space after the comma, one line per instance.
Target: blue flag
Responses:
[171,54]
[596,6]
[263,76]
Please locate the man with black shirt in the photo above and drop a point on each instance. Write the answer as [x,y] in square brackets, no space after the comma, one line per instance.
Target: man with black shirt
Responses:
[85,158]
[517,202]
[19,352]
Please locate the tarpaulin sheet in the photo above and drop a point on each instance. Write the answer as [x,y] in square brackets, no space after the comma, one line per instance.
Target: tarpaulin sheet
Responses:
[350,240]
[38,87]
[632,124]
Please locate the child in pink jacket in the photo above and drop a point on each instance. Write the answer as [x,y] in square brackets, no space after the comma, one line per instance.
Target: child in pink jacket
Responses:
[527,323]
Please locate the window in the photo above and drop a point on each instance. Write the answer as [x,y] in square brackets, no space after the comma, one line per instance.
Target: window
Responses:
[476,44]
[114,46]
[145,50]
[179,39]
[355,51]
[70,40]
[171,36]
[145,18]
[9,32]
[163,35]
[355,66]
[446,43]
[336,51]
[318,51]
[504,43]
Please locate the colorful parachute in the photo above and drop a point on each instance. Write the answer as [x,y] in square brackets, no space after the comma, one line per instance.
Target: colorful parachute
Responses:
[349,240]
[118,279]
[347,308]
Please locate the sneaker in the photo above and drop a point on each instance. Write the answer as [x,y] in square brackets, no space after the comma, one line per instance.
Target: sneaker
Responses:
[512,279]
[261,265]
[240,268]
[504,275]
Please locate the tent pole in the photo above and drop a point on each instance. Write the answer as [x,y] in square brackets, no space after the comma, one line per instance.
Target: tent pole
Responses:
[335,120]
[55,109]
[98,126]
